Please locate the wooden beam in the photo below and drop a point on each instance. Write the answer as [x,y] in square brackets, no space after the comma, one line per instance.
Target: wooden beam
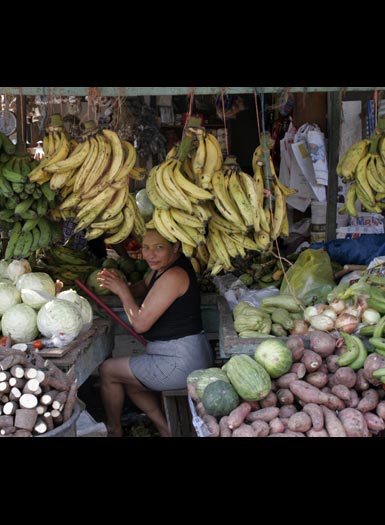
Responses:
[154,91]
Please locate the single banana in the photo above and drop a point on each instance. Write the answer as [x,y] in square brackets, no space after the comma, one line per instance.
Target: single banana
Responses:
[109,223]
[350,200]
[202,254]
[58,179]
[116,204]
[362,181]
[184,218]
[199,157]
[94,183]
[74,160]
[188,250]
[219,247]
[349,162]
[175,229]
[279,212]
[173,189]
[223,202]
[99,202]
[152,192]
[250,188]
[125,228]
[228,242]
[195,263]
[188,187]
[161,187]
[117,153]
[211,162]
[262,240]
[241,200]
[161,227]
[244,241]
[93,233]
[211,138]
[86,167]
[259,178]
[372,176]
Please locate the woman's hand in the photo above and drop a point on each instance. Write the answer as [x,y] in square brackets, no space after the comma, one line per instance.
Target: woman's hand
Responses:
[112,281]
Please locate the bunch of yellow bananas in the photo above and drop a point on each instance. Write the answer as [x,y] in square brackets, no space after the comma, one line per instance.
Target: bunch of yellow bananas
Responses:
[93,184]
[363,165]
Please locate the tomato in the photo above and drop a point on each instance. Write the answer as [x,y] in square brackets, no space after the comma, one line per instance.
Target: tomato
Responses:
[3,340]
[38,344]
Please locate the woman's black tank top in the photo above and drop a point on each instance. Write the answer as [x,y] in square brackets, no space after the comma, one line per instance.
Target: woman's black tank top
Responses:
[183,317]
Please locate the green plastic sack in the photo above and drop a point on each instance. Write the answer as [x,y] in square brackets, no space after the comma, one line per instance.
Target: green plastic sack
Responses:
[310,277]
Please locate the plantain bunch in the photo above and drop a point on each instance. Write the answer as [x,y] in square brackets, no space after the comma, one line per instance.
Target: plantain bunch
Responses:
[363,168]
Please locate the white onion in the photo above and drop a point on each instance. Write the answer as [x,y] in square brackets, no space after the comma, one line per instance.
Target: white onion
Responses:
[330,313]
[370,316]
[338,305]
[322,322]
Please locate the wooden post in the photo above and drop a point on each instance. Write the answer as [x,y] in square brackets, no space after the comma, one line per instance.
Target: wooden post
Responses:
[333,142]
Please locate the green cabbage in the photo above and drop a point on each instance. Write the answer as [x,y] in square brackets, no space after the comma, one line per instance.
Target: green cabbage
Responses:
[19,322]
[36,288]
[9,296]
[17,268]
[81,303]
[60,317]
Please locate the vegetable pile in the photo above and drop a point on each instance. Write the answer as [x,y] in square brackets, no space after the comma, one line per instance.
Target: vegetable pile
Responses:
[322,385]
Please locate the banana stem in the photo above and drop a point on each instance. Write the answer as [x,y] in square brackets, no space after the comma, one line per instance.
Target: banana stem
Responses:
[265,152]
[374,143]
[185,145]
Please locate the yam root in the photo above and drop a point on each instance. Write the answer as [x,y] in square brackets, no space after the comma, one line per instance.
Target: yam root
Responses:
[238,415]
[316,415]
[353,422]
[224,430]
[333,425]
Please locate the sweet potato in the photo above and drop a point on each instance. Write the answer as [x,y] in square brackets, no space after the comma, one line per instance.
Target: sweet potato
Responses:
[311,360]
[342,392]
[374,422]
[292,433]
[331,362]
[296,346]
[276,426]
[354,399]
[244,431]
[287,410]
[369,401]
[307,393]
[318,379]
[299,369]
[316,415]
[380,410]
[334,402]
[333,425]
[212,425]
[192,392]
[285,396]
[261,428]
[353,422]
[224,430]
[266,414]
[285,380]
[372,363]
[323,368]
[269,401]
[322,343]
[299,422]
[312,433]
[238,415]
[331,381]
[361,382]
[345,376]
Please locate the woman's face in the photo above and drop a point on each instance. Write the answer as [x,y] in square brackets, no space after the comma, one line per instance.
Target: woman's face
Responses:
[157,251]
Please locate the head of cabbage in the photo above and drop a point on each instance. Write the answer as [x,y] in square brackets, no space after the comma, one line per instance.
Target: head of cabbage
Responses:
[81,303]
[9,296]
[19,322]
[59,316]
[36,288]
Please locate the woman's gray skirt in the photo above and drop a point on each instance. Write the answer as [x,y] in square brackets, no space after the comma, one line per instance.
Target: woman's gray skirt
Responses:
[166,364]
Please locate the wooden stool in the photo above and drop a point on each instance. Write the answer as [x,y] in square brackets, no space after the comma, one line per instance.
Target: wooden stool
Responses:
[177,413]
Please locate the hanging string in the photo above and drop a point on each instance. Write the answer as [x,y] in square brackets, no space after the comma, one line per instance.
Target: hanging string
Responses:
[61,102]
[257,113]
[265,148]
[118,109]
[224,120]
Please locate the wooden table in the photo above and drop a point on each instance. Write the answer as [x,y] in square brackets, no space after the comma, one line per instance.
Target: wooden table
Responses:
[88,350]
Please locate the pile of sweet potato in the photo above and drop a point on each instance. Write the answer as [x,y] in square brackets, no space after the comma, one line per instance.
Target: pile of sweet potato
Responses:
[316,398]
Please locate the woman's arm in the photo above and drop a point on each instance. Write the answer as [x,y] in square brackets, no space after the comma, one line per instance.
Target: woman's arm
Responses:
[166,289]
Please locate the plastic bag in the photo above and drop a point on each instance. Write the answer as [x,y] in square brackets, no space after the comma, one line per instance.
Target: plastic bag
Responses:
[310,277]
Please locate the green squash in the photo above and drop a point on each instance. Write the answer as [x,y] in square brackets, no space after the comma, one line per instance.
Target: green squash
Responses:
[210,375]
[248,377]
[275,356]
[220,398]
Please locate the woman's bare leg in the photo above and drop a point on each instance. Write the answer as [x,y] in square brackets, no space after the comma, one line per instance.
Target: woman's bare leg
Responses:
[116,378]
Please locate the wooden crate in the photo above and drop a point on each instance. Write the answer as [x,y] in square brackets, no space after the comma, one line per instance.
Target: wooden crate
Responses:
[229,341]
[177,412]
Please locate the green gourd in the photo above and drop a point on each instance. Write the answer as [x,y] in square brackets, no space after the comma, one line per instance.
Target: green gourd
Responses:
[220,398]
